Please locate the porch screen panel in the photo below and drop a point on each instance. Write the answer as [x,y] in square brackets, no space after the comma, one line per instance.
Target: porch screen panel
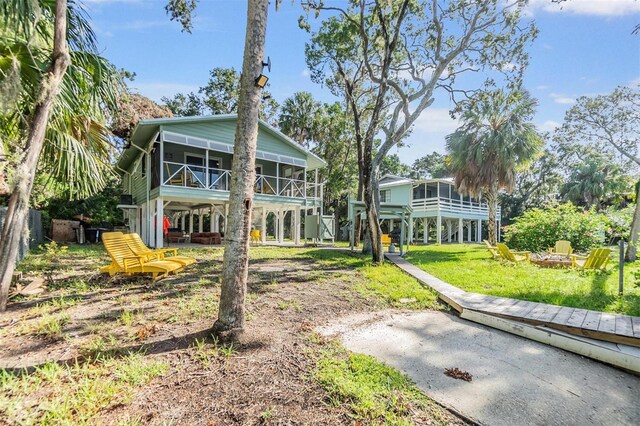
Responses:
[156,168]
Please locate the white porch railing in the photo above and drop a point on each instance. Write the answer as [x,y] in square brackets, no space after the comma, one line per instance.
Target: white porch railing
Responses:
[446,205]
[199,177]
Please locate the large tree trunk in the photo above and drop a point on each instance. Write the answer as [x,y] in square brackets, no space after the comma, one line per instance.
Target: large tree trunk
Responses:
[231,316]
[632,250]
[492,201]
[371,207]
[18,207]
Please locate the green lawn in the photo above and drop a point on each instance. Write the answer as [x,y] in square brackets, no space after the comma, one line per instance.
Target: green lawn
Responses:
[471,268]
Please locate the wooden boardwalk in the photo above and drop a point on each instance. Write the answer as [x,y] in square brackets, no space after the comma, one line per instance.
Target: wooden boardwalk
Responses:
[614,328]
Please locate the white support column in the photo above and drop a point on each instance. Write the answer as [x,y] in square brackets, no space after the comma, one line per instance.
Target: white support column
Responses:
[498,224]
[211,221]
[183,218]
[281,215]
[216,221]
[448,230]
[296,215]
[460,231]
[200,221]
[190,222]
[263,233]
[479,231]
[439,229]
[469,231]
[425,228]
[159,220]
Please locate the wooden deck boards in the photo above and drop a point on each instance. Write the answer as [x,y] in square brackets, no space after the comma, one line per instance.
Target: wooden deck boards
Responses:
[600,325]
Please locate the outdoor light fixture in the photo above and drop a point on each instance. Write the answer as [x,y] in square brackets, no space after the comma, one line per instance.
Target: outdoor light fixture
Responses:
[261,81]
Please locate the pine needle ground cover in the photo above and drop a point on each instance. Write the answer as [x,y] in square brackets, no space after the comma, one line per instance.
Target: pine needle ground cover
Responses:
[471,268]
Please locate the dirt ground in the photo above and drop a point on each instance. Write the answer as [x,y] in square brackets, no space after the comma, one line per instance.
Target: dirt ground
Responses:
[264,379]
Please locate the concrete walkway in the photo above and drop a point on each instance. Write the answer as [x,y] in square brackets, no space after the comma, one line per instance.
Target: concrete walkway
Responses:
[516,381]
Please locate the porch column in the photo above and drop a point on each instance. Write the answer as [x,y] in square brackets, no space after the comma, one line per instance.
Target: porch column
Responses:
[263,233]
[216,221]
[469,232]
[281,226]
[296,215]
[159,222]
[460,231]
[438,229]
[425,228]
[479,231]
[211,221]
[498,224]
[449,230]
[410,230]
[144,228]
[200,221]
[190,222]
[183,217]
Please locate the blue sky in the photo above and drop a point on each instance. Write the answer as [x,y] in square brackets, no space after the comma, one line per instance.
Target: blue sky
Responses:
[584,48]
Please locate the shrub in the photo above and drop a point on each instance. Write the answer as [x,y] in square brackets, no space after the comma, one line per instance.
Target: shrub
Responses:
[538,229]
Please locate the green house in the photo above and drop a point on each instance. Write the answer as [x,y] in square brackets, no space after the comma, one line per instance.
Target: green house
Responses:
[438,213]
[181,168]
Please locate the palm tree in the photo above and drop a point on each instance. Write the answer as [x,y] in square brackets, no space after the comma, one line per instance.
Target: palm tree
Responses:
[494,140]
[55,91]
[594,180]
[298,117]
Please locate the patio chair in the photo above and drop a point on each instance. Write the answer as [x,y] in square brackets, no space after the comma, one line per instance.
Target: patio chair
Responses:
[562,247]
[177,180]
[492,249]
[513,256]
[124,260]
[256,236]
[597,259]
[140,249]
[386,239]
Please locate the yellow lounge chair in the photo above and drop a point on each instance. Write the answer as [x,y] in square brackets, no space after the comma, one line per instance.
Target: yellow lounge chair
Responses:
[256,236]
[512,256]
[140,249]
[386,239]
[123,259]
[562,247]
[492,249]
[597,259]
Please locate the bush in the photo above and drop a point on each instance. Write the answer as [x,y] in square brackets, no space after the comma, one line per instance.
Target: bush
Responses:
[618,223]
[538,229]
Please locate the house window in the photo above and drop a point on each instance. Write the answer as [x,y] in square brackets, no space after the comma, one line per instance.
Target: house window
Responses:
[384,196]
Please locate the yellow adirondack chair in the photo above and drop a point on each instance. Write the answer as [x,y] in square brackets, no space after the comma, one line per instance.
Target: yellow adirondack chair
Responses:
[512,256]
[386,239]
[562,247]
[123,259]
[136,245]
[597,259]
[492,249]
[256,236]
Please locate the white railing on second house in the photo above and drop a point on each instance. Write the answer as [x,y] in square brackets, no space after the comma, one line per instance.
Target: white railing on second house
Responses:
[451,206]
[200,177]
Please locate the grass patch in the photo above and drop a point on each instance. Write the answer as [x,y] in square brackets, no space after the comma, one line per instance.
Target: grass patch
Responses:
[471,268]
[74,394]
[373,392]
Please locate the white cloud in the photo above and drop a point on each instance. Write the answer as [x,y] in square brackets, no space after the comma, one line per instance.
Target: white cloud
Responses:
[561,99]
[436,120]
[305,72]
[542,87]
[588,7]
[635,83]
[548,126]
[156,90]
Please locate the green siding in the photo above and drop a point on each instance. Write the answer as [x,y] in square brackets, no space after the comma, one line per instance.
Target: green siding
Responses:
[224,131]
[400,194]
